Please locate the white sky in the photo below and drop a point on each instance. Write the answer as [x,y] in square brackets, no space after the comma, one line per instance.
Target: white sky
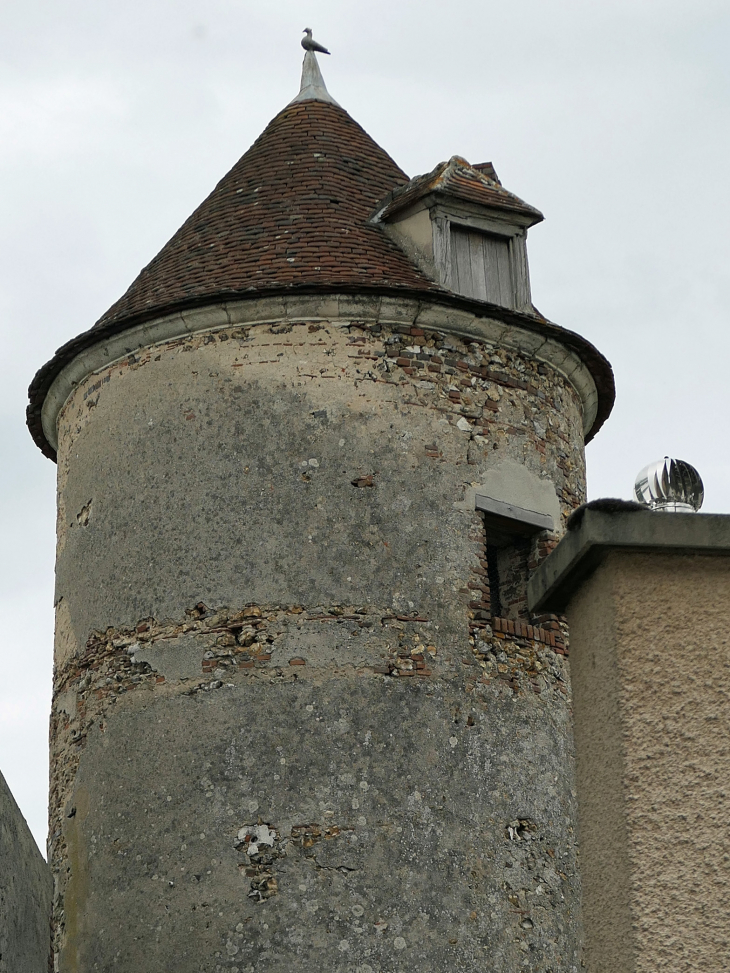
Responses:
[116,120]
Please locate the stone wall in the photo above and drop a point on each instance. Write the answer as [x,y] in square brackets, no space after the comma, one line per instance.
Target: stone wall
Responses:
[25,894]
[285,731]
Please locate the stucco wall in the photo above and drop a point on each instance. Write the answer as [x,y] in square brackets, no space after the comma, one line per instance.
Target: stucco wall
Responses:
[278,738]
[650,661]
[25,894]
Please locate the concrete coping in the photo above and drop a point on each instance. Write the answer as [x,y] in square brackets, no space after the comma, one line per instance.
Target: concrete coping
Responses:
[599,532]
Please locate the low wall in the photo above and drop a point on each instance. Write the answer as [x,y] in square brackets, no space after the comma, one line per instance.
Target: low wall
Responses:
[25,893]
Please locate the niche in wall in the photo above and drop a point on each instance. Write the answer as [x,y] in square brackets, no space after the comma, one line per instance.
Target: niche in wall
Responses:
[509,531]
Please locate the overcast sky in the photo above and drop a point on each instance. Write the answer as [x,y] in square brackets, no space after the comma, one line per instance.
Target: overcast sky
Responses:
[116,120]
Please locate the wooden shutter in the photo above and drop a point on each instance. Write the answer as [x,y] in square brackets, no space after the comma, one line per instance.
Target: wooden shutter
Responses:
[480,266]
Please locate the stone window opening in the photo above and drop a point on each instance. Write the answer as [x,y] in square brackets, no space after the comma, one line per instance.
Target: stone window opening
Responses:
[507,573]
[510,539]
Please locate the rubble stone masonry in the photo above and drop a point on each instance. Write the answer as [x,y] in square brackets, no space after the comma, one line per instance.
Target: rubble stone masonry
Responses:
[287,731]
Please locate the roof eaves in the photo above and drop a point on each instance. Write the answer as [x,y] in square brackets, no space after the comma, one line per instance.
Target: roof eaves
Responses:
[441,182]
[596,363]
[523,215]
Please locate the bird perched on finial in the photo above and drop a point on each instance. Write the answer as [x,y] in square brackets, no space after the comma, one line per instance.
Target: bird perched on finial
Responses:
[311,45]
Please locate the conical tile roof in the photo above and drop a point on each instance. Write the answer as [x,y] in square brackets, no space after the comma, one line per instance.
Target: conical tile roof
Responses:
[294,210]
[298,212]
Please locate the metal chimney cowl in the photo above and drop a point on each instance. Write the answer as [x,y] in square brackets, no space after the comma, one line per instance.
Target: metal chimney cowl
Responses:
[670,485]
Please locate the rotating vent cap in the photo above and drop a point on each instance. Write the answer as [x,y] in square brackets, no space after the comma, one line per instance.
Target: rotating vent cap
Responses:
[670,485]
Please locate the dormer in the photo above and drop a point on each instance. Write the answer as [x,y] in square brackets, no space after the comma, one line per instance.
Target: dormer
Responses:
[460,226]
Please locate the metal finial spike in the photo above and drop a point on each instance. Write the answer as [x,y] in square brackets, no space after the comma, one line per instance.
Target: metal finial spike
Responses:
[311,45]
[313,87]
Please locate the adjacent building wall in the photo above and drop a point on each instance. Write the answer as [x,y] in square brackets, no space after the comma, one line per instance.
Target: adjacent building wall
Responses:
[25,894]
[650,664]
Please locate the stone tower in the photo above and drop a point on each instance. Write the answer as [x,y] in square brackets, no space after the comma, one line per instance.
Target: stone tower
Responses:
[302,718]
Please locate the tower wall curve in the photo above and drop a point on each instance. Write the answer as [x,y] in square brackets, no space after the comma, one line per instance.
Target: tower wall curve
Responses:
[287,729]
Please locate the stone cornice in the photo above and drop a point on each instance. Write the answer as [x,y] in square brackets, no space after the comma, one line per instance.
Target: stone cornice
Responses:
[568,354]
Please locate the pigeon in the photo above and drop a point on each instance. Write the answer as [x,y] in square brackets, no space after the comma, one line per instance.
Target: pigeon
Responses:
[311,45]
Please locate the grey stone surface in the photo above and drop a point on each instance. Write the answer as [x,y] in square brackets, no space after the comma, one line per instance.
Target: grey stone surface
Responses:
[290,510]
[175,660]
[25,894]
[229,479]
[512,482]
[580,551]
[405,791]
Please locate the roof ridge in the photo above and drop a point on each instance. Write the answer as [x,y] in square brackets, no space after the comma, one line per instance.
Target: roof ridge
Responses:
[459,162]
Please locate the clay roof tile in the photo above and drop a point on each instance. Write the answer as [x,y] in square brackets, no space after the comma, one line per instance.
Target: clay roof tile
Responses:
[456,178]
[305,189]
[297,211]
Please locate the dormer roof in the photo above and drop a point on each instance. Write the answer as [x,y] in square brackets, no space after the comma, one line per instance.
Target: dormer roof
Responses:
[458,180]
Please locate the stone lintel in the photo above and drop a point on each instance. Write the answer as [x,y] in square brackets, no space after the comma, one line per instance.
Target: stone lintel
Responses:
[511,518]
